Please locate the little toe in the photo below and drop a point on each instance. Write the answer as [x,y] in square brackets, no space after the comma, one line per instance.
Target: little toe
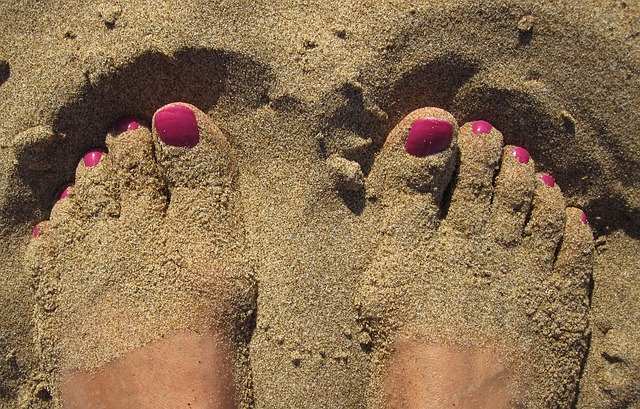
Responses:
[480,145]
[40,261]
[547,220]
[512,195]
[574,262]
[196,161]
[568,291]
[132,161]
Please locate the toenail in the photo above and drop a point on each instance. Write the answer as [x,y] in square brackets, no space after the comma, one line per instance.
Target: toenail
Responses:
[36,231]
[64,192]
[92,158]
[127,123]
[481,127]
[547,179]
[583,218]
[521,154]
[428,136]
[177,126]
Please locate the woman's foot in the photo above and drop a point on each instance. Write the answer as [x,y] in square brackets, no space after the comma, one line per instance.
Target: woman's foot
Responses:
[144,298]
[478,297]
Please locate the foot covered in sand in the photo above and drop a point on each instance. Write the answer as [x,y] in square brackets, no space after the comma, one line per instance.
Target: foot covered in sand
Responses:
[144,299]
[479,293]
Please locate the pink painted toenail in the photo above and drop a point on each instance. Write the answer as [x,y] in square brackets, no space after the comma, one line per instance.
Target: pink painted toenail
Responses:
[177,126]
[127,123]
[36,231]
[64,192]
[92,158]
[481,127]
[521,154]
[583,218]
[428,136]
[547,179]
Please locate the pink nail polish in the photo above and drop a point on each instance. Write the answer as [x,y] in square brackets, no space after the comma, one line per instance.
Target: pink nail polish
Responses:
[547,179]
[428,136]
[64,192]
[127,123]
[36,231]
[92,158]
[521,154]
[177,126]
[583,218]
[481,127]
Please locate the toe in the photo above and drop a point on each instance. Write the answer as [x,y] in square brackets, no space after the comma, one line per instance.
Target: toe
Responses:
[411,174]
[95,190]
[196,161]
[480,146]
[547,221]
[134,169]
[40,261]
[418,156]
[512,195]
[574,263]
[568,289]
[65,208]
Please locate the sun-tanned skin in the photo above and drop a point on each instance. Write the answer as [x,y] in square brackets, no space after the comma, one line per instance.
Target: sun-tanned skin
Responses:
[143,296]
[479,294]
[186,370]
[432,377]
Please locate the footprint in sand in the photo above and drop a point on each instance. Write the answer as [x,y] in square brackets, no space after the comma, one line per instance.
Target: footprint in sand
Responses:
[479,293]
[140,266]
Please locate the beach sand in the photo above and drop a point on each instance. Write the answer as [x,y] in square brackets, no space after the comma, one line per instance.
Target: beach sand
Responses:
[306,93]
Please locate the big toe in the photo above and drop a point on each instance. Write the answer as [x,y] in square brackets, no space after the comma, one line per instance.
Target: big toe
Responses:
[196,160]
[418,158]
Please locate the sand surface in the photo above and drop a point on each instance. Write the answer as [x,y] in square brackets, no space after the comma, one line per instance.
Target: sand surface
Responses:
[295,85]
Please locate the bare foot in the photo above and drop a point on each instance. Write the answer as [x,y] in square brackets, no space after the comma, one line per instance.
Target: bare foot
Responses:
[144,299]
[479,295]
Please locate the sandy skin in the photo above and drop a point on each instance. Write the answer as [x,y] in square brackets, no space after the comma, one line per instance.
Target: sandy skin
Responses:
[479,294]
[142,298]
[431,351]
